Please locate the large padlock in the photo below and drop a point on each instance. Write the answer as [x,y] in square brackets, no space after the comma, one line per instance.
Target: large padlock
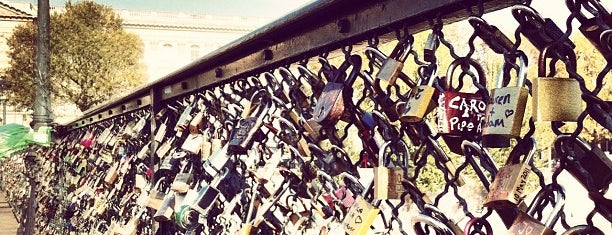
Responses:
[556,98]
[183,179]
[392,66]
[193,143]
[505,111]
[587,163]
[592,28]
[157,194]
[421,99]
[526,223]
[510,182]
[388,178]
[337,93]
[461,114]
[243,134]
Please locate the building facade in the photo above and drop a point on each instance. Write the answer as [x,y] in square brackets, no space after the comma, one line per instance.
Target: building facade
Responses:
[171,40]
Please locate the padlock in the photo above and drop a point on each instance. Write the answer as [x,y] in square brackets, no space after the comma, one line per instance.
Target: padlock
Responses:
[539,31]
[161,131]
[587,163]
[208,194]
[388,179]
[592,28]
[244,132]
[505,111]
[421,99]
[165,208]
[555,98]
[193,143]
[164,148]
[526,223]
[183,179]
[459,113]
[491,35]
[431,45]
[186,115]
[337,92]
[510,182]
[157,194]
[359,217]
[583,230]
[197,122]
[206,145]
[419,221]
[393,64]
[111,174]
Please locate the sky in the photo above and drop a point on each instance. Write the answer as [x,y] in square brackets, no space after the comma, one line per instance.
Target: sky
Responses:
[267,8]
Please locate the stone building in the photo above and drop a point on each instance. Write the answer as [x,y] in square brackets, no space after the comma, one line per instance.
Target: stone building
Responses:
[171,39]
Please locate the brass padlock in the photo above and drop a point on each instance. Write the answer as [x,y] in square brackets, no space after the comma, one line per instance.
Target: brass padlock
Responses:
[392,66]
[525,223]
[555,98]
[421,99]
[388,178]
[206,145]
[505,111]
[242,137]
[359,217]
[510,182]
[183,179]
[165,208]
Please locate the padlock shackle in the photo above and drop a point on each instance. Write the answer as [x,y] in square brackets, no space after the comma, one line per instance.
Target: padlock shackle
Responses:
[375,53]
[519,150]
[438,226]
[286,122]
[432,76]
[527,15]
[309,75]
[606,39]
[465,61]
[583,229]
[521,73]
[402,48]
[542,195]
[571,56]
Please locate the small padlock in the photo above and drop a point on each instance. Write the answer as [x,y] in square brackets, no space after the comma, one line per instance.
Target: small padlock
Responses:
[421,99]
[388,179]
[337,92]
[431,45]
[243,134]
[208,194]
[555,98]
[510,182]
[193,143]
[197,122]
[359,217]
[505,111]
[392,66]
[111,174]
[183,179]
[525,223]
[206,145]
[157,194]
[161,131]
[539,31]
[587,163]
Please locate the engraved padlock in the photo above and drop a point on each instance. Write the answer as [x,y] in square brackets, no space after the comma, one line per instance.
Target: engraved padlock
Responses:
[526,223]
[183,179]
[392,66]
[505,111]
[461,114]
[556,98]
[337,92]
[511,180]
[589,164]
[359,216]
[421,99]
[243,134]
[387,176]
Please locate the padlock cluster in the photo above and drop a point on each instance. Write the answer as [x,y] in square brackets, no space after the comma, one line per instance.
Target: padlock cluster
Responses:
[339,145]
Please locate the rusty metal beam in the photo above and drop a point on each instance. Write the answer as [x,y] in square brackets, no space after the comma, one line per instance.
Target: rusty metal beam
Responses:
[320,26]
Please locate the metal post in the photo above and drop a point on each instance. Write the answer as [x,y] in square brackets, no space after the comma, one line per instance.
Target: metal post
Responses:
[4,112]
[31,173]
[42,101]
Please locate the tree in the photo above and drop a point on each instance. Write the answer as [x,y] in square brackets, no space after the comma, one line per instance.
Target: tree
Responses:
[92,58]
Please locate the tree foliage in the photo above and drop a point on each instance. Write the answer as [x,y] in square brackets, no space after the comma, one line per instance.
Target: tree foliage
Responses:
[92,58]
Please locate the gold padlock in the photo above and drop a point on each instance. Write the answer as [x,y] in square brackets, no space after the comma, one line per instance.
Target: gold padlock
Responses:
[206,146]
[388,180]
[392,65]
[555,98]
[359,217]
[505,111]
[420,100]
[510,181]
